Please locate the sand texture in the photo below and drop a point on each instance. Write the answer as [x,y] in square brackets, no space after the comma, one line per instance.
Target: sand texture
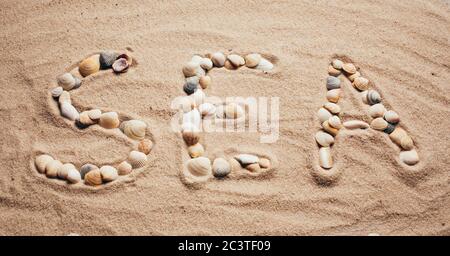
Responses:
[401,46]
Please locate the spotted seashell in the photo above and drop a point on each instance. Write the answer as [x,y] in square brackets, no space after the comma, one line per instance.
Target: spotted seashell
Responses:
[264,65]
[377,110]
[409,157]
[89,66]
[41,162]
[390,128]
[354,76]
[332,107]
[355,124]
[252,60]
[73,176]
[221,168]
[190,87]
[64,97]
[401,138]
[93,178]
[124,168]
[56,92]
[51,168]
[108,173]
[64,170]
[200,166]
[335,122]
[392,117]
[236,60]
[264,163]
[190,69]
[191,137]
[134,129]
[68,111]
[325,159]
[145,146]
[198,97]
[137,159]
[192,117]
[333,83]
[332,71]
[337,64]
[218,59]
[328,128]
[107,59]
[205,81]
[109,120]
[233,111]
[324,139]
[207,109]
[68,81]
[334,95]
[349,68]
[323,115]
[379,124]
[373,97]
[361,83]
[246,159]
[87,168]
[196,150]
[206,64]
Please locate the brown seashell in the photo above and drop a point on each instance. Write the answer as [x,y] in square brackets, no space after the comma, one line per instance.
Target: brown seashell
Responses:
[332,107]
[109,120]
[379,124]
[401,138]
[264,163]
[361,83]
[331,130]
[191,137]
[236,60]
[51,168]
[89,66]
[407,143]
[84,119]
[93,178]
[124,168]
[190,69]
[41,162]
[94,114]
[252,60]
[349,68]
[196,150]
[354,76]
[255,168]
[205,81]
[145,146]
[332,71]
[325,159]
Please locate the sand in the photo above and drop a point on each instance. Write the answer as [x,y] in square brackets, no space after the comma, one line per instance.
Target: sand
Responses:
[402,47]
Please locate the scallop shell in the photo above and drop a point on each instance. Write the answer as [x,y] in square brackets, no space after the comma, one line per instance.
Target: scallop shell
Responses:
[361,83]
[121,65]
[192,117]
[264,65]
[252,60]
[190,69]
[190,87]
[145,146]
[207,109]
[221,167]
[134,129]
[355,124]
[109,120]
[73,176]
[325,159]
[332,107]
[337,64]
[335,122]
[236,60]
[93,178]
[206,64]
[64,170]
[64,97]
[246,159]
[87,168]
[378,124]
[324,139]
[354,76]
[108,173]
[191,137]
[264,163]
[205,81]
[323,115]
[328,128]
[41,162]
[401,138]
[372,97]
[333,83]
[377,110]
[332,71]
[390,128]
[51,168]
[68,111]
[392,117]
[196,150]
[254,168]
[349,68]
[89,66]
[409,157]
[218,59]
[56,92]
[124,168]
[107,59]
[68,82]
[137,159]
[233,111]
[200,166]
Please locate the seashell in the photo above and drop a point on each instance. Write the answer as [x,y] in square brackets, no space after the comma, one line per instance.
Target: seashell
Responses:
[407,143]
[361,83]
[68,82]
[193,80]
[198,97]
[108,173]
[200,166]
[392,117]
[337,64]
[355,124]
[206,64]
[51,168]
[207,109]
[349,68]
[205,81]
[332,71]
[107,59]
[134,129]
[145,146]
[354,76]
[64,97]
[109,120]
[196,150]
[233,111]
[89,65]
[335,122]
[409,157]
[372,97]
[246,159]
[221,167]
[377,110]
[68,111]
[199,72]
[218,59]
[236,60]
[324,139]
[401,138]
[137,159]
[325,159]
[190,87]
[190,69]
[378,124]
[124,168]
[73,176]
[228,65]
[390,128]
[264,65]
[332,107]
[192,117]
[93,178]
[328,128]
[333,83]
[121,65]
[191,137]
[196,59]
[77,83]
[323,115]
[41,162]
[255,168]
[64,170]
[56,92]
[87,168]
[94,114]
[84,119]
[252,60]
[264,163]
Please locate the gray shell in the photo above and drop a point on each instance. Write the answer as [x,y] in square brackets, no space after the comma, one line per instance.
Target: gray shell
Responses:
[373,97]
[390,128]
[107,59]
[87,168]
[190,87]
[333,83]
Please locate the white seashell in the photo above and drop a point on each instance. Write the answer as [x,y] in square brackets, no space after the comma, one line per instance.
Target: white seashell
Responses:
[134,129]
[335,122]
[192,117]
[108,173]
[332,71]
[349,68]
[68,82]
[68,111]
[361,83]
[328,128]
[264,65]
[252,60]
[409,157]
[196,150]
[109,120]
[64,170]
[379,124]
[94,114]
[233,111]
[51,168]
[87,168]
[221,167]
[377,110]
[332,107]
[325,159]
[206,64]
[64,97]
[323,115]
[324,139]
[73,176]
[355,124]
[41,162]
[392,117]
[84,120]
[337,64]
[245,159]
[198,97]
[207,109]
[190,69]
[199,167]
[333,83]
[145,146]
[56,92]
[196,59]
[124,168]
[334,95]
[236,60]
[218,59]
[137,159]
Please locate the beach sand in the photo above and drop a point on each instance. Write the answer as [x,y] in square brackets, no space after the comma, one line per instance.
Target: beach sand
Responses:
[401,46]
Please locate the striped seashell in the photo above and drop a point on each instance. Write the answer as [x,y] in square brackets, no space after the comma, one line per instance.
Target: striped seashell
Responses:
[328,128]
[145,146]
[64,97]
[264,163]
[108,173]
[335,122]
[73,176]
[93,178]
[87,168]
[233,111]
[390,128]
[200,166]
[89,65]
[332,107]
[323,115]
[109,120]
[124,168]
[361,83]
[107,59]
[379,124]
[51,168]
[333,83]
[207,109]
[252,60]
[221,168]
[354,76]
[246,159]
[134,129]
[236,60]
[372,97]
[324,139]
[325,159]
[41,162]
[392,117]
[264,65]
[332,71]
[355,124]
[196,150]
[206,64]
[337,64]
[409,157]
[57,91]
[377,110]
[68,111]
[334,95]
[190,87]
[218,59]
[349,68]
[137,159]
[64,170]
[68,81]
[205,81]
